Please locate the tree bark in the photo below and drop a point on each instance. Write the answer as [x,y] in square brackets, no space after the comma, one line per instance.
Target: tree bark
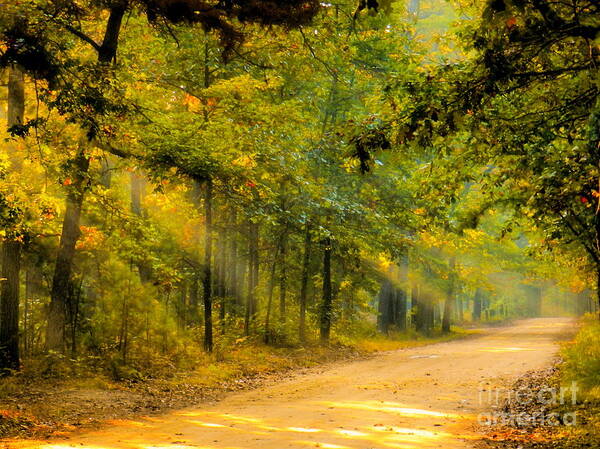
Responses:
[137,189]
[11,248]
[234,289]
[400,320]
[60,294]
[326,306]
[477,305]
[249,287]
[267,337]
[222,281]
[384,306]
[304,284]
[9,306]
[283,278]
[138,183]
[416,306]
[598,290]
[402,299]
[253,269]
[207,281]
[449,303]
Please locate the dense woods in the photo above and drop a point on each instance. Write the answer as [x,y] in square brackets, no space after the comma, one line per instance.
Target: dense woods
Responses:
[180,177]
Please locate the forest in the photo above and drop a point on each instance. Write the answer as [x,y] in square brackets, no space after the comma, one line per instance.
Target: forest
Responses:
[187,182]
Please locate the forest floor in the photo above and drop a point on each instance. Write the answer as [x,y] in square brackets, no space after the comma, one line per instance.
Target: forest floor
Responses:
[32,406]
[565,421]
[422,397]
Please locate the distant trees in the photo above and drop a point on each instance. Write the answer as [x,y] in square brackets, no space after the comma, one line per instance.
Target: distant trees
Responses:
[198,183]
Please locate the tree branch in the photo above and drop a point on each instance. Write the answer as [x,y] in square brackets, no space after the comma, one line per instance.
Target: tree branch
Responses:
[81,35]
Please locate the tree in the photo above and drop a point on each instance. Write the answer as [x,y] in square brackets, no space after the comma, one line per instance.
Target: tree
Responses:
[13,242]
[30,43]
[521,103]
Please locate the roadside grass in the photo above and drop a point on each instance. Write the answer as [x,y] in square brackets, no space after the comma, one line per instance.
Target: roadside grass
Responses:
[582,359]
[255,359]
[581,364]
[409,339]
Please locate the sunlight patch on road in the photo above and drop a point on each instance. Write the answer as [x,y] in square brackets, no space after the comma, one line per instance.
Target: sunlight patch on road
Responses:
[205,424]
[302,429]
[351,433]
[269,428]
[128,423]
[407,431]
[173,446]
[320,444]
[512,349]
[236,418]
[392,407]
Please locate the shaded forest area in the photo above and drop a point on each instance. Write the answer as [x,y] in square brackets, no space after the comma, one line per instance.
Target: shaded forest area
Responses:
[181,178]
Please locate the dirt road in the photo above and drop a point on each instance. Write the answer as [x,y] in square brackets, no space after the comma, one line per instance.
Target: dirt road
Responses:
[426,397]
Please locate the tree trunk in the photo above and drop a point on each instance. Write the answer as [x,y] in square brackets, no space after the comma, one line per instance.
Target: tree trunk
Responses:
[403,294]
[477,305]
[428,314]
[383,309]
[11,248]
[106,167]
[249,288]
[9,306]
[326,307]
[283,278]
[234,289]
[138,183]
[207,281]
[267,336]
[416,307]
[400,320]
[219,284]
[253,269]
[222,291]
[597,291]
[449,297]
[222,284]
[459,305]
[16,108]
[137,191]
[61,282]
[60,294]
[304,284]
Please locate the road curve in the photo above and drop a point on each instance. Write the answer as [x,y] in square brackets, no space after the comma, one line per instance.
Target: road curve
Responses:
[426,397]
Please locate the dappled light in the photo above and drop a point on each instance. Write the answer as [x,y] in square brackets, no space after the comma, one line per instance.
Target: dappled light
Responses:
[278,224]
[391,407]
[400,400]
[506,349]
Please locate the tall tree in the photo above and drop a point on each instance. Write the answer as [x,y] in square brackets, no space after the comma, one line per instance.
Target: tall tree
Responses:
[12,244]
[327,301]
[60,306]
[207,278]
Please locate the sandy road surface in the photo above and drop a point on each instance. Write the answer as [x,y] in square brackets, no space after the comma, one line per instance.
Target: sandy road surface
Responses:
[426,397]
